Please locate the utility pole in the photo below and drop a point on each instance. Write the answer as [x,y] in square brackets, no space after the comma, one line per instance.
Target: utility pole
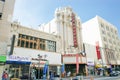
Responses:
[12,45]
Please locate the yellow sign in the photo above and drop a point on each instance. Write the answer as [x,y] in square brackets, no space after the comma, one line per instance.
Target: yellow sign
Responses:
[98,65]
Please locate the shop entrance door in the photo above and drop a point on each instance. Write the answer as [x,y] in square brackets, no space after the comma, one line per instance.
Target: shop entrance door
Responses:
[15,72]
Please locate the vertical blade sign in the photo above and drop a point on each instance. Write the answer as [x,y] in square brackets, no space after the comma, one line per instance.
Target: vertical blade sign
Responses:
[74,30]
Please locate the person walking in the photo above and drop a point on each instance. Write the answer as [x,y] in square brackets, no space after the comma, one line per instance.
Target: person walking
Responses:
[68,74]
[33,74]
[5,75]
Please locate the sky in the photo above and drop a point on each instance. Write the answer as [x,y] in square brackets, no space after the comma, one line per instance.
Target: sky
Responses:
[32,13]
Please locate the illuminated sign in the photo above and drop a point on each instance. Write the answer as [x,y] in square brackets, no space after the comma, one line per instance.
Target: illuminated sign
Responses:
[74,31]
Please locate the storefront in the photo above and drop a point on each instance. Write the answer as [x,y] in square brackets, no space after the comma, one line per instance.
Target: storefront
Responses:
[36,61]
[75,63]
[38,65]
[18,66]
[91,66]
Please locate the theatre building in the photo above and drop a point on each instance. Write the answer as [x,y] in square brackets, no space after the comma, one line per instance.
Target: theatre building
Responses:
[67,25]
[32,49]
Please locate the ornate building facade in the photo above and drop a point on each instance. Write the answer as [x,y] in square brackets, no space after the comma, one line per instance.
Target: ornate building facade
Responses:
[67,25]
[29,44]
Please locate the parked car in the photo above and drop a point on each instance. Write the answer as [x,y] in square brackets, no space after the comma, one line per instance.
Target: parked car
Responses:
[118,72]
[114,73]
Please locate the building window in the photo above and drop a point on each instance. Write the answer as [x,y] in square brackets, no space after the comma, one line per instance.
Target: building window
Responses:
[102,25]
[27,44]
[22,43]
[109,34]
[110,41]
[42,44]
[113,36]
[105,46]
[114,42]
[31,45]
[103,32]
[23,36]
[104,38]
[34,46]
[111,30]
[107,28]
[51,45]
[36,43]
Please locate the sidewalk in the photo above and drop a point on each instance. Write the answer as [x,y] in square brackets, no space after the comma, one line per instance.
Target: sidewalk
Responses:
[78,78]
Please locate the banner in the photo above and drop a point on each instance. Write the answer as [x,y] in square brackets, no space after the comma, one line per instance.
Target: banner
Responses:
[63,69]
[45,69]
[98,50]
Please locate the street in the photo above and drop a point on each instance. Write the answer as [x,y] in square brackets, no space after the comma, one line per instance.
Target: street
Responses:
[89,78]
[106,78]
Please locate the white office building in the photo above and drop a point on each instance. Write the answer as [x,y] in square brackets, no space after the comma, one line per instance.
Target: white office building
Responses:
[103,37]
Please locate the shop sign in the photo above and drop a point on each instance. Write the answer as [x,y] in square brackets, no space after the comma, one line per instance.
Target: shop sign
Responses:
[90,62]
[98,66]
[69,55]
[2,58]
[17,58]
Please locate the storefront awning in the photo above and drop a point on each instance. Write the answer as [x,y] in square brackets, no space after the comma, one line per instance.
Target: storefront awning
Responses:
[17,62]
[15,59]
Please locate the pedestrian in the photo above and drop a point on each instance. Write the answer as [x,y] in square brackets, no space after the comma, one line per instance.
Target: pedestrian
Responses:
[33,75]
[68,74]
[5,75]
[51,75]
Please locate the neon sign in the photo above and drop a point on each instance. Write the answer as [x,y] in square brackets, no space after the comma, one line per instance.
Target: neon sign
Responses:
[74,31]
